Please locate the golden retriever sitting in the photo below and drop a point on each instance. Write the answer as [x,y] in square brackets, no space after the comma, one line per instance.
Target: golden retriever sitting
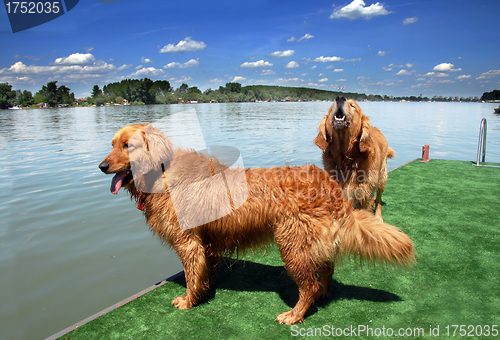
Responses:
[301,209]
[354,153]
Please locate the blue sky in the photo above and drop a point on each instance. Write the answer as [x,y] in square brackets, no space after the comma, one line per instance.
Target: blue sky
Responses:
[401,48]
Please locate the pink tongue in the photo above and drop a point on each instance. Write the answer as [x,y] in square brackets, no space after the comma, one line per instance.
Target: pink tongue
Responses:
[116,183]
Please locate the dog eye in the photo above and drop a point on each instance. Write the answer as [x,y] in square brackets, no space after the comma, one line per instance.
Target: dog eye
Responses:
[125,145]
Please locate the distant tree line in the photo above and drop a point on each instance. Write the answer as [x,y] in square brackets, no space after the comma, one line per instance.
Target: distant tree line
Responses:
[51,94]
[10,98]
[493,95]
[146,91]
[427,99]
[54,95]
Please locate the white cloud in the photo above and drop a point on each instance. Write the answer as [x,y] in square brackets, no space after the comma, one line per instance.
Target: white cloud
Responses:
[463,76]
[341,80]
[327,59]
[139,66]
[289,80]
[322,80]
[409,21]
[172,65]
[255,64]
[124,67]
[64,73]
[306,36]
[76,59]
[351,60]
[87,48]
[188,64]
[146,60]
[444,67]
[338,70]
[238,78]
[97,71]
[17,80]
[186,45]
[437,74]
[267,72]
[392,66]
[216,80]
[489,74]
[404,72]
[183,79]
[292,64]
[312,68]
[281,54]
[147,71]
[381,53]
[356,9]
[420,85]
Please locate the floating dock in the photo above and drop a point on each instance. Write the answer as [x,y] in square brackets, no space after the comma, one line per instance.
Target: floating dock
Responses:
[451,211]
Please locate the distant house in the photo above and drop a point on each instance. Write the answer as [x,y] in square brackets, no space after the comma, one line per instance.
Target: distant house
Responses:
[81,101]
[42,106]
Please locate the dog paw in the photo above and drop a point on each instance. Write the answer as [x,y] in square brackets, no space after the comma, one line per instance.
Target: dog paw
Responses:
[182,302]
[322,293]
[288,318]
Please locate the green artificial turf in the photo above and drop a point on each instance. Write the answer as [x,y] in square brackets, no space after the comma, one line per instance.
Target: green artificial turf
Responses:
[450,209]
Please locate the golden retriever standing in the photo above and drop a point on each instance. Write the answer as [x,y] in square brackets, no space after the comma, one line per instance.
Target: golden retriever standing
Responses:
[299,208]
[354,153]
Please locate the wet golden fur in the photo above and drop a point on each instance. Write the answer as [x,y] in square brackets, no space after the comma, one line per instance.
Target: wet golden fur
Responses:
[300,209]
[355,155]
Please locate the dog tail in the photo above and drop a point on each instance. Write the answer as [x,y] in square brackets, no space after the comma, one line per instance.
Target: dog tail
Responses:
[390,152]
[364,235]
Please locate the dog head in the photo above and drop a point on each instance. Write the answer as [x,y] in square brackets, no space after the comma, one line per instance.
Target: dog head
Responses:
[344,119]
[138,150]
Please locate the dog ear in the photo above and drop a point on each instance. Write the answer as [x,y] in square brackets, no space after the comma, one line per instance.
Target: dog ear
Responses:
[159,147]
[365,140]
[323,138]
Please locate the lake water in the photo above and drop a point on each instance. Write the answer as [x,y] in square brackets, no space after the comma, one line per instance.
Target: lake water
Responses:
[69,248]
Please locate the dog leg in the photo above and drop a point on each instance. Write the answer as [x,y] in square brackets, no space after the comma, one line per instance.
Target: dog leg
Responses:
[192,255]
[302,270]
[325,276]
[212,263]
[378,204]
[364,202]
[380,189]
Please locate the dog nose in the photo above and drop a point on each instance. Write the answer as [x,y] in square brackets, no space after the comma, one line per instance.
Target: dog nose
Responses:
[340,100]
[104,166]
